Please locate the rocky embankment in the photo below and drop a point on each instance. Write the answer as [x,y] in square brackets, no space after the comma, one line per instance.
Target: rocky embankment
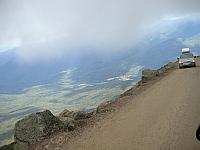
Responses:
[41,126]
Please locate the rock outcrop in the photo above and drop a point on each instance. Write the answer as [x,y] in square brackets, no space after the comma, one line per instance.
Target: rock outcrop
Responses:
[35,128]
[170,65]
[39,126]
[149,74]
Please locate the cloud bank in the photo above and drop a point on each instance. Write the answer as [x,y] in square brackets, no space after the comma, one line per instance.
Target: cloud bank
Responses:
[47,29]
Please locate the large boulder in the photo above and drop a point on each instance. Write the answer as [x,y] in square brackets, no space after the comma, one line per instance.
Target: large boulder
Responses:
[71,119]
[35,128]
[148,74]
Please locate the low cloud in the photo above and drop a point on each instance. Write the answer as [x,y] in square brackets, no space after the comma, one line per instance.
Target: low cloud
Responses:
[47,29]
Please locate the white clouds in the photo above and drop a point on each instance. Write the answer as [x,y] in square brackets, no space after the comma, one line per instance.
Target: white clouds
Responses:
[6,45]
[48,28]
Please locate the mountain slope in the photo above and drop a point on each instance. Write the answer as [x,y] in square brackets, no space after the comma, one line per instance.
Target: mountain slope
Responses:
[164,116]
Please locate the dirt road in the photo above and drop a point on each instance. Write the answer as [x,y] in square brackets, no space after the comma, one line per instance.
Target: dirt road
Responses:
[164,117]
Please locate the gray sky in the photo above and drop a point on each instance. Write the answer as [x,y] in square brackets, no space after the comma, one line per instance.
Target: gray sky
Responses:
[45,29]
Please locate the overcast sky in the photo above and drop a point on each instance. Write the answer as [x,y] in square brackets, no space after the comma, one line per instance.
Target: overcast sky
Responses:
[45,29]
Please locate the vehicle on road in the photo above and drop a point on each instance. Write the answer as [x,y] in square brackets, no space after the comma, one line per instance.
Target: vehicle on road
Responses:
[187,60]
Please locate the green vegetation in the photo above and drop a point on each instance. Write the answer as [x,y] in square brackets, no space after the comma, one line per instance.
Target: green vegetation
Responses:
[65,94]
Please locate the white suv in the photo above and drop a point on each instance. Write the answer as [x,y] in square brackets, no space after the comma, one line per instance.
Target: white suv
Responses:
[187,60]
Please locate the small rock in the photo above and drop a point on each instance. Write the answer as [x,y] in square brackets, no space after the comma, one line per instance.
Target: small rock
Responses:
[162,70]
[69,124]
[81,115]
[21,146]
[66,113]
[69,118]
[104,107]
